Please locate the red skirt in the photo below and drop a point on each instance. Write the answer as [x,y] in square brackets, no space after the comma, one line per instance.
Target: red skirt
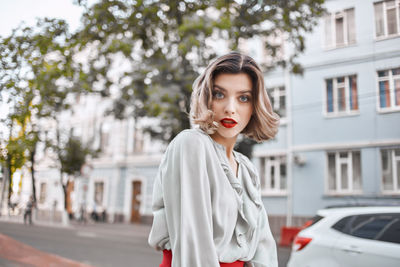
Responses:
[167,259]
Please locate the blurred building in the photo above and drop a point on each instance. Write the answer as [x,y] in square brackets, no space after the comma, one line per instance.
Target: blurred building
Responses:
[117,183]
[338,143]
[339,140]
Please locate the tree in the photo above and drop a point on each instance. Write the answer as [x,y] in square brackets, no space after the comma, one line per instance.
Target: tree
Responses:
[163,45]
[20,147]
[12,158]
[38,76]
[72,156]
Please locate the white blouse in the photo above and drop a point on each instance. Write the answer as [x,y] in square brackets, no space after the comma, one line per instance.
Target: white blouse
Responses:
[203,212]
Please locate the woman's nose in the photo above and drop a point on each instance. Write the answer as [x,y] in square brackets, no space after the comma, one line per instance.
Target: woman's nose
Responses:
[230,107]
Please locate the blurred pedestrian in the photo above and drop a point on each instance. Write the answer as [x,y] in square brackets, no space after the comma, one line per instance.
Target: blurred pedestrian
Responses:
[207,203]
[28,211]
[82,214]
[104,215]
[94,215]
[54,209]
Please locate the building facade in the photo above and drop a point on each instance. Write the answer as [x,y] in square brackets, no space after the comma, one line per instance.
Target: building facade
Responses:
[116,185]
[338,143]
[339,140]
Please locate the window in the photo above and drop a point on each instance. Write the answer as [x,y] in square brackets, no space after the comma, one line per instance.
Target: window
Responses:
[390,170]
[340,29]
[389,89]
[273,175]
[278,100]
[43,193]
[370,228]
[138,141]
[341,95]
[98,193]
[344,172]
[341,225]
[392,232]
[387,18]
[383,227]
[104,138]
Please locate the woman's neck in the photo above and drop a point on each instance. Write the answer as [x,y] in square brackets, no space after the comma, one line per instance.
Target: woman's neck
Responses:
[228,143]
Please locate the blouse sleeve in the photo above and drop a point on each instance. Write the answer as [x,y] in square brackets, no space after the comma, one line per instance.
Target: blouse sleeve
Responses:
[187,201]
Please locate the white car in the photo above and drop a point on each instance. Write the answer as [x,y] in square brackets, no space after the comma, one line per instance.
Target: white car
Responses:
[349,237]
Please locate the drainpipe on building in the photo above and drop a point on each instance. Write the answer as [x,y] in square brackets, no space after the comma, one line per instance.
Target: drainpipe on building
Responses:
[289,153]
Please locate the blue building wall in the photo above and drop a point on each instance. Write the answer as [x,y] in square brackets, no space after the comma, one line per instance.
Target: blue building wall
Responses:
[314,133]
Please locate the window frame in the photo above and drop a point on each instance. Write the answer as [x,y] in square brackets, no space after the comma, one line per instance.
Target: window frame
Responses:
[275,93]
[385,20]
[43,192]
[390,78]
[333,16]
[394,159]
[348,111]
[101,200]
[92,190]
[349,229]
[266,177]
[338,177]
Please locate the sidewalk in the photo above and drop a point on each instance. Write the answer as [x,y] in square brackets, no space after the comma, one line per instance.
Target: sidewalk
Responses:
[115,228]
[20,219]
[14,253]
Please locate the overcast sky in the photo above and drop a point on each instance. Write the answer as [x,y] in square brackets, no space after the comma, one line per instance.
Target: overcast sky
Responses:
[13,12]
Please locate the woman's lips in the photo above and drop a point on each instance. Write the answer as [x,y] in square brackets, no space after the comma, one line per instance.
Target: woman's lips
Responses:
[228,123]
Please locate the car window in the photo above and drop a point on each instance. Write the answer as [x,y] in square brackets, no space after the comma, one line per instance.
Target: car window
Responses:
[382,227]
[392,232]
[341,224]
[371,228]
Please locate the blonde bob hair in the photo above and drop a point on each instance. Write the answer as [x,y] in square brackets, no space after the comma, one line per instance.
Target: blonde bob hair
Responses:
[263,124]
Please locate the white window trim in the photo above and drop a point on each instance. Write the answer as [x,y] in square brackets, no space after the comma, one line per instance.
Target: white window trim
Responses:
[396,186]
[92,192]
[267,190]
[275,94]
[338,162]
[336,113]
[105,138]
[385,25]
[391,79]
[44,200]
[333,17]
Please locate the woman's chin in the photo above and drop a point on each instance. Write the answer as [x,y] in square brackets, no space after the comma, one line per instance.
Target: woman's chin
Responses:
[227,133]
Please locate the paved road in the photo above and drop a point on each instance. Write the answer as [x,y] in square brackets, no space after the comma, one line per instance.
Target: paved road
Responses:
[97,245]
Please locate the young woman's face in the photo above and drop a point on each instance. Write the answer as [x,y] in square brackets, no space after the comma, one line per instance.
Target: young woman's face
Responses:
[231,104]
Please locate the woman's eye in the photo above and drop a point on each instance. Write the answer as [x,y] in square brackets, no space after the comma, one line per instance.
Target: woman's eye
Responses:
[244,98]
[218,95]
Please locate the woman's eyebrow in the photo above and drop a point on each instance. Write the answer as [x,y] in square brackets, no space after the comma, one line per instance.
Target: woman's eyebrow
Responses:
[224,90]
[220,87]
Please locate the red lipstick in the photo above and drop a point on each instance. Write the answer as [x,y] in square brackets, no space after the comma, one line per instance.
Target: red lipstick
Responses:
[228,122]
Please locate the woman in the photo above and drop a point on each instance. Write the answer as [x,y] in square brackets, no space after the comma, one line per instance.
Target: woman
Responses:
[207,205]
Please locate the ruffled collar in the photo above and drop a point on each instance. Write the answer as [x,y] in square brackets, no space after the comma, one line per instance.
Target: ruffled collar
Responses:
[250,184]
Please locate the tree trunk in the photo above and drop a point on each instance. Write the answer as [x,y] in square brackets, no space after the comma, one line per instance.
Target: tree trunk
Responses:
[65,218]
[9,181]
[32,159]
[4,186]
